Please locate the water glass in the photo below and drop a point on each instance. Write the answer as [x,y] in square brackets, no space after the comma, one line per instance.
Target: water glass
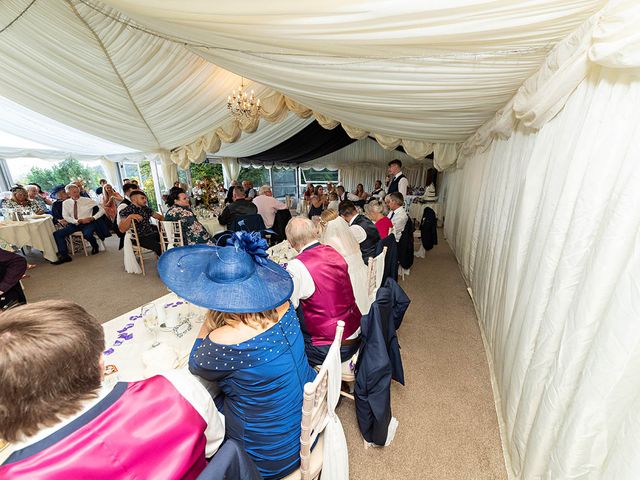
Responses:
[151,322]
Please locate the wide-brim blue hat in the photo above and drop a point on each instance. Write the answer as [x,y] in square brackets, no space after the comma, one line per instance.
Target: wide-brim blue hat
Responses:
[237,278]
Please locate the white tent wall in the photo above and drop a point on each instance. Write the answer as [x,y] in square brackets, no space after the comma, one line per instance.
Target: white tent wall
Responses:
[365,161]
[545,225]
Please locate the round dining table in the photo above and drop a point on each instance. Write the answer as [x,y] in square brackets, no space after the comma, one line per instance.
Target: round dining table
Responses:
[36,232]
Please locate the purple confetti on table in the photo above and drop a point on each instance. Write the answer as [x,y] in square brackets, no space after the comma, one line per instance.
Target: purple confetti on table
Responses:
[126,336]
[117,343]
[109,351]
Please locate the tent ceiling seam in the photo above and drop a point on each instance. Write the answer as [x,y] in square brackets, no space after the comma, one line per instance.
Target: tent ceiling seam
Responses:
[115,70]
[18,17]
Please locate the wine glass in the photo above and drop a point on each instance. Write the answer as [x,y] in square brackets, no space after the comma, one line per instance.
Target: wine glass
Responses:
[149,315]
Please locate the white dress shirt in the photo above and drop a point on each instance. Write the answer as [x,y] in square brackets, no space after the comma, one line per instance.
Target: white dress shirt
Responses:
[380,195]
[399,218]
[402,184]
[267,208]
[85,209]
[334,204]
[357,231]
[303,286]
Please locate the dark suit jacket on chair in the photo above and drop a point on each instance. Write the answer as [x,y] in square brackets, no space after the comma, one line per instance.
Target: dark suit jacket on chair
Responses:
[236,209]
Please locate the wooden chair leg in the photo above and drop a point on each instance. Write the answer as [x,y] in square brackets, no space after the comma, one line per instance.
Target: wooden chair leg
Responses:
[142,262]
[84,246]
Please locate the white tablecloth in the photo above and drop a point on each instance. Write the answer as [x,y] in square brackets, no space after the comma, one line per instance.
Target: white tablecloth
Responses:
[416,210]
[212,225]
[127,353]
[36,232]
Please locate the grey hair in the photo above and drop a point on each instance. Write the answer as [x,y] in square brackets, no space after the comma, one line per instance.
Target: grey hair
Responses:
[70,186]
[264,189]
[397,197]
[301,231]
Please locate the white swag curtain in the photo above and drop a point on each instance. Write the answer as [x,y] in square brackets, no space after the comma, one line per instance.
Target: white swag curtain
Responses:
[545,227]
[151,85]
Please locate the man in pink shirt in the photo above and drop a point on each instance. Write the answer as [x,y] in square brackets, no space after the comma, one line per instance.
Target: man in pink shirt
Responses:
[267,205]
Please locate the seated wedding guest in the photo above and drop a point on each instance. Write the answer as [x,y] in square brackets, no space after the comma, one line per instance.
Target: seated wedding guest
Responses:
[127,188]
[397,213]
[342,195]
[267,205]
[363,229]
[60,194]
[35,193]
[180,211]
[250,344]
[334,231]
[398,182]
[229,199]
[45,195]
[77,211]
[65,423]
[240,207]
[12,268]
[110,200]
[333,201]
[375,211]
[322,289]
[80,184]
[378,192]
[309,191]
[139,211]
[20,199]
[102,183]
[317,202]
[249,191]
[360,193]
[330,188]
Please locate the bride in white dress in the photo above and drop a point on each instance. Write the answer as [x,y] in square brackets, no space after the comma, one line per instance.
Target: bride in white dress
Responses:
[335,232]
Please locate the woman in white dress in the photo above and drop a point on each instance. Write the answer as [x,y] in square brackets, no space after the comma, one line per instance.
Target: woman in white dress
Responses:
[335,232]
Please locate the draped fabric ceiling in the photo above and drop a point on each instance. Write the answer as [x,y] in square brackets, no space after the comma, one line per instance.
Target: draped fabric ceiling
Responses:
[154,76]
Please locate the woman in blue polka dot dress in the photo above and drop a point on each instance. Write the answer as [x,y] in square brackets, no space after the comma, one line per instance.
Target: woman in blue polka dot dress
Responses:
[250,344]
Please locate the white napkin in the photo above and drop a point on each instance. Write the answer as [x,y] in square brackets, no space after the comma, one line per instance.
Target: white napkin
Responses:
[159,359]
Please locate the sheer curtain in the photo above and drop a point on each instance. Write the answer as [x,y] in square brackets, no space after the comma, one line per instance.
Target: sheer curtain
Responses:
[546,227]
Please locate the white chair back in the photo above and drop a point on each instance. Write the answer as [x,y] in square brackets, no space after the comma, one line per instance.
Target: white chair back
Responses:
[315,414]
[170,235]
[380,267]
[371,277]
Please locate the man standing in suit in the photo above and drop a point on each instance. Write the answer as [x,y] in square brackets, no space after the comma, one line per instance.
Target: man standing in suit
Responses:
[399,182]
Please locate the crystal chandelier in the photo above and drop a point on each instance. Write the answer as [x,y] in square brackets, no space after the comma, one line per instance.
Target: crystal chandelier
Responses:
[242,105]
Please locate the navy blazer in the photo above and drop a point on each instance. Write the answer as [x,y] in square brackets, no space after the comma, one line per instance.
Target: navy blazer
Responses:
[230,462]
[378,362]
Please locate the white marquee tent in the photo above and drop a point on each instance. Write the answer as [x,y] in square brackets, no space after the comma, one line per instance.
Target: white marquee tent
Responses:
[531,106]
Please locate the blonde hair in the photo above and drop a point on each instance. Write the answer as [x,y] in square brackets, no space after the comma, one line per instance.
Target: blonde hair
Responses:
[216,319]
[327,215]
